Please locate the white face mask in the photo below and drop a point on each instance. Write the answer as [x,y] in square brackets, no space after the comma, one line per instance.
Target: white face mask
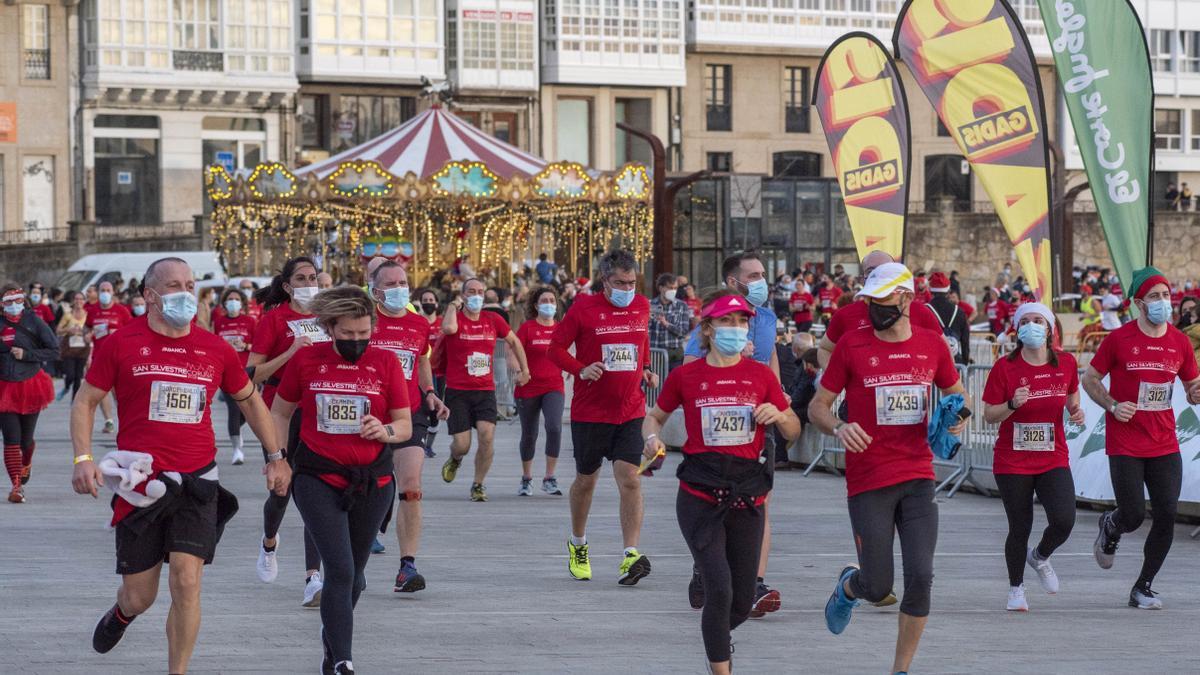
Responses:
[670,295]
[304,294]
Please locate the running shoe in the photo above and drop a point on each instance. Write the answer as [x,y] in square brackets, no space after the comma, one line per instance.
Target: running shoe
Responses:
[343,668]
[17,495]
[1044,571]
[1016,599]
[634,567]
[408,580]
[696,590]
[1105,548]
[1144,598]
[578,563]
[109,631]
[766,600]
[377,546]
[26,474]
[838,608]
[526,489]
[268,565]
[550,486]
[450,469]
[478,492]
[239,458]
[327,655]
[312,591]
[890,600]
[109,426]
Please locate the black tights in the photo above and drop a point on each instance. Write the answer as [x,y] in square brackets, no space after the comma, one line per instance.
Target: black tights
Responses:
[235,419]
[275,506]
[72,374]
[728,568]
[1055,489]
[876,516]
[550,406]
[344,539]
[1162,478]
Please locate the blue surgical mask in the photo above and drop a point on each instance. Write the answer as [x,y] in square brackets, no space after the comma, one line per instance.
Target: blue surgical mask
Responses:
[178,309]
[14,310]
[474,303]
[138,310]
[1032,335]
[233,306]
[395,299]
[757,292]
[620,298]
[730,340]
[1159,311]
[105,297]
[547,310]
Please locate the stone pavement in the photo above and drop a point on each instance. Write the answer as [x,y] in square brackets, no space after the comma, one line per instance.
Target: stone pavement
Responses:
[500,599]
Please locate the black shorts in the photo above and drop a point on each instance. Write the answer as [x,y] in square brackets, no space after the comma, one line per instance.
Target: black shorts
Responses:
[469,407]
[420,426]
[597,441]
[192,529]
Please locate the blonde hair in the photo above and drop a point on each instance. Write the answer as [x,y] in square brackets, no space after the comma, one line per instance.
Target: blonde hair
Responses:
[342,302]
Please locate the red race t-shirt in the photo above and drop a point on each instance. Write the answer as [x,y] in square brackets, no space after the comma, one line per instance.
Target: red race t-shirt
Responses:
[334,394]
[887,387]
[544,375]
[1041,444]
[1142,370]
[45,314]
[238,332]
[105,322]
[856,316]
[997,312]
[274,334]
[696,304]
[828,298]
[801,304]
[408,338]
[617,337]
[469,351]
[8,334]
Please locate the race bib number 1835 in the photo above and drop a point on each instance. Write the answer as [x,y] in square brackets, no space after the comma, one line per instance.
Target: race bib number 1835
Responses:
[337,414]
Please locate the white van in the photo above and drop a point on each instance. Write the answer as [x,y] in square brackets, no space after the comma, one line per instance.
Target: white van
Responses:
[98,267]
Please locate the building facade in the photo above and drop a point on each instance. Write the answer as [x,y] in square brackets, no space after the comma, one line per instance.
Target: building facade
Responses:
[35,147]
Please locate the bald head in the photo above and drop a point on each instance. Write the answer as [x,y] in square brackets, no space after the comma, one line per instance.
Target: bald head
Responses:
[324,280]
[374,264]
[875,259]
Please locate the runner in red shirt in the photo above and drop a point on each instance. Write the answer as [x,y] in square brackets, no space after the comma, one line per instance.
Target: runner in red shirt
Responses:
[405,334]
[1142,360]
[997,312]
[469,339]
[286,327]
[611,334]
[800,305]
[251,307]
[827,298]
[353,402]
[164,374]
[105,318]
[887,373]
[693,301]
[37,293]
[544,394]
[26,343]
[728,402]
[1026,394]
[236,327]
[429,308]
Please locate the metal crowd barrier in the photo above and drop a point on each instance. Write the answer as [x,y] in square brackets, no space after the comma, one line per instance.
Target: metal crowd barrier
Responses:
[660,365]
[506,401]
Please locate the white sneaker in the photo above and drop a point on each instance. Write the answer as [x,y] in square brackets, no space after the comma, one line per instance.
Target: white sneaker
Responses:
[1044,571]
[312,591]
[1016,599]
[268,566]
[1144,598]
[239,458]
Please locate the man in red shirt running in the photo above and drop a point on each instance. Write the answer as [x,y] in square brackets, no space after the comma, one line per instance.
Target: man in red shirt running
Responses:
[164,375]
[103,319]
[610,331]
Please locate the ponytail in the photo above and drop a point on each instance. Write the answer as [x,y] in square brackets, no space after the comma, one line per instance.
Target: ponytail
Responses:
[274,295]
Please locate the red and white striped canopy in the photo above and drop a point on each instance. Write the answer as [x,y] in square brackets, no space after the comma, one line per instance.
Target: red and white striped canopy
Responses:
[427,142]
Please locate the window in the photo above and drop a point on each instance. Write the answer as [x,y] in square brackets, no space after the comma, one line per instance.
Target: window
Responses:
[313,113]
[947,177]
[197,24]
[1161,50]
[718,98]
[796,164]
[636,112]
[1189,57]
[720,162]
[1195,130]
[258,35]
[233,124]
[1168,129]
[504,127]
[35,41]
[37,191]
[795,100]
[358,119]
[127,182]
[574,127]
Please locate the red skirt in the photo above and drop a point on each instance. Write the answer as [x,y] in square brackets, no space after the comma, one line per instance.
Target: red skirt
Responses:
[28,396]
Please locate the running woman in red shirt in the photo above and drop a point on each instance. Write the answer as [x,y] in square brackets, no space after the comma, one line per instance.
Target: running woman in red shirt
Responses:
[728,401]
[1142,360]
[469,339]
[801,307]
[611,334]
[406,335]
[429,307]
[104,319]
[887,373]
[1026,394]
[164,373]
[286,328]
[353,402]
[235,326]
[26,342]
[543,394]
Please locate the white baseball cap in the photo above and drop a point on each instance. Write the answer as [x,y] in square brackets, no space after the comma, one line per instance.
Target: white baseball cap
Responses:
[886,280]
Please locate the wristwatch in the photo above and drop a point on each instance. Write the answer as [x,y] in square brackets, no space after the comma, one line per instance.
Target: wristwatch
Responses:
[274,456]
[1010,405]
[1112,408]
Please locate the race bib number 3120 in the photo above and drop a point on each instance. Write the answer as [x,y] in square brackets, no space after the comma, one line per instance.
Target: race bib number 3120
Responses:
[177,402]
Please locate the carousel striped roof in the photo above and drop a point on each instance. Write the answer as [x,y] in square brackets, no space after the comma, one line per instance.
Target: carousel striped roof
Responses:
[427,142]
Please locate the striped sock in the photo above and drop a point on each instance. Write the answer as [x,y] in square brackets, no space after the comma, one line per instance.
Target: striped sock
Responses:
[12,463]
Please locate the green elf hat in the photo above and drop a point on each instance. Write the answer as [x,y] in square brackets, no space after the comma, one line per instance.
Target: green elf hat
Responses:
[1145,279]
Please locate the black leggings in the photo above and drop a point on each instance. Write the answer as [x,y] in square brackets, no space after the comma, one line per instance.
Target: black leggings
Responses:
[876,516]
[344,539]
[72,369]
[235,419]
[728,568]
[550,405]
[1055,489]
[18,429]
[275,506]
[1162,478]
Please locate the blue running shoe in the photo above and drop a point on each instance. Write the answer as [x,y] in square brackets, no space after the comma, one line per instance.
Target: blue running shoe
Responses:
[838,609]
[377,546]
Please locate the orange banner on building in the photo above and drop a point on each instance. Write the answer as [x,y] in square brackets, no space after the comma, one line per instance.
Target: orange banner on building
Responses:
[8,122]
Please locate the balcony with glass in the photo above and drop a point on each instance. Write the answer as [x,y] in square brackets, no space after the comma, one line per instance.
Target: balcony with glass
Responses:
[634,42]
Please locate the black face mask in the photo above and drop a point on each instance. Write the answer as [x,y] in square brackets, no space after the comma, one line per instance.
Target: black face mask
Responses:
[351,350]
[429,308]
[884,317]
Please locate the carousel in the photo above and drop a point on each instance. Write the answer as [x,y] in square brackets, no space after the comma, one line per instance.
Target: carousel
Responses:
[431,193]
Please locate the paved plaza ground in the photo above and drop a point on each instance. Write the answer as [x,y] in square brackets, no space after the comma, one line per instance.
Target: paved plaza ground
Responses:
[500,600]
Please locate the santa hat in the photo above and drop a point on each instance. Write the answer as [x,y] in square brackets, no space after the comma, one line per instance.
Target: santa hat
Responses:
[939,283]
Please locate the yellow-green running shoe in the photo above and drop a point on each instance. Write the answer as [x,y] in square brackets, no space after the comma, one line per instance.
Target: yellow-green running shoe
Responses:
[577,561]
[478,493]
[633,567]
[450,469]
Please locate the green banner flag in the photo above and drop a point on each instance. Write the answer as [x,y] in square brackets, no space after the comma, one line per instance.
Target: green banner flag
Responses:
[1103,65]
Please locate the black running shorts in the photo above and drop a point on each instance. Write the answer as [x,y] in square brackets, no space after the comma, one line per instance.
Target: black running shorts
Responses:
[469,407]
[420,426]
[597,441]
[192,529]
